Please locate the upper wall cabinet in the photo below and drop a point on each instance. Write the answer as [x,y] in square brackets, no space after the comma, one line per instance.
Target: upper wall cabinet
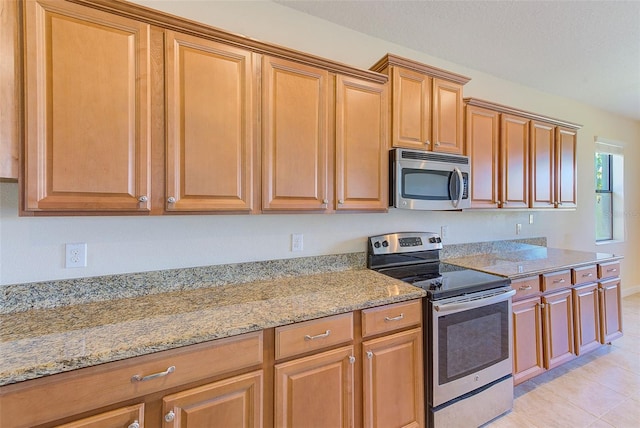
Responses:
[361,171]
[295,114]
[10,108]
[519,159]
[210,119]
[426,105]
[87,142]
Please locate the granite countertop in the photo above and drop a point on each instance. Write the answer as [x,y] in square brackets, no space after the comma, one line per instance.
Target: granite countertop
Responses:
[41,342]
[529,261]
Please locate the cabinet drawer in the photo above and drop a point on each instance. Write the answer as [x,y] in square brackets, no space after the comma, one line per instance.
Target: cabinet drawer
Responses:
[123,417]
[526,287]
[608,270]
[83,390]
[556,280]
[313,335]
[391,317]
[583,275]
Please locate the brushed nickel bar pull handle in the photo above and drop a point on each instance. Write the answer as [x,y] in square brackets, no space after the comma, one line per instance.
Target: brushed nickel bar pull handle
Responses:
[398,318]
[525,287]
[138,378]
[317,336]
[587,275]
[559,281]
[612,270]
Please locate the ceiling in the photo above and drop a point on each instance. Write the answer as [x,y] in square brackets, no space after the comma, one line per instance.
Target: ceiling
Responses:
[588,51]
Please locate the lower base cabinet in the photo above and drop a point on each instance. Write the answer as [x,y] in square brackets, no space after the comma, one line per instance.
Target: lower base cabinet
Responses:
[586,318]
[392,380]
[316,391]
[557,312]
[528,358]
[234,402]
[126,417]
[610,309]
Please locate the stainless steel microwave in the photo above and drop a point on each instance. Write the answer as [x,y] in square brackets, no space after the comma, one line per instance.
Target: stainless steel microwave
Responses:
[423,180]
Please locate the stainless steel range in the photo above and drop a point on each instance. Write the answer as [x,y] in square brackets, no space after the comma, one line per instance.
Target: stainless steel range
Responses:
[467,329]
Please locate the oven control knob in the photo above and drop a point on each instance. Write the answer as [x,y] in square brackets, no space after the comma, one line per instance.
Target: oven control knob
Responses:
[432,240]
[438,240]
[385,244]
[376,244]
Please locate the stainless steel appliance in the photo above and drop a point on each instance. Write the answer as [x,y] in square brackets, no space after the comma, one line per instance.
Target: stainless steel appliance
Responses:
[423,180]
[467,329]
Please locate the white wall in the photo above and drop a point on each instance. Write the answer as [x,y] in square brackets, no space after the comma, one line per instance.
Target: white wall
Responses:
[32,249]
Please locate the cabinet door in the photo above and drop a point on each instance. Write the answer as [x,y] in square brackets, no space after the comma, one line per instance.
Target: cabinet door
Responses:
[210,144]
[514,155]
[126,417]
[610,310]
[565,173]
[361,145]
[9,89]
[295,144]
[234,402]
[316,391]
[87,141]
[393,381]
[542,165]
[411,107]
[447,119]
[482,141]
[558,328]
[527,340]
[587,318]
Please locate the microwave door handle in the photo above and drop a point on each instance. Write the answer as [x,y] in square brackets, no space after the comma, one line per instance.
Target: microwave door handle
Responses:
[456,202]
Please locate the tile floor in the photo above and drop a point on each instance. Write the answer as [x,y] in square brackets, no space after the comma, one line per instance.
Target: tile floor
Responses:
[600,389]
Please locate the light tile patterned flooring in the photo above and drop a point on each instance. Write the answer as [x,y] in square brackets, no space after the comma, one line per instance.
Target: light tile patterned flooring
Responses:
[600,389]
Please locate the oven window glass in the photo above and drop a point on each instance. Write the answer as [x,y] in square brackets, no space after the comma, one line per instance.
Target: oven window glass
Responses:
[425,184]
[472,340]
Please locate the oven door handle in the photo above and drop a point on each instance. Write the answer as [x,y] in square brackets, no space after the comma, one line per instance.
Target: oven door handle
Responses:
[453,307]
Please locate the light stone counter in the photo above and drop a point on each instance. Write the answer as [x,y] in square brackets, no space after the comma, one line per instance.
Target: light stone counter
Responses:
[41,342]
[531,260]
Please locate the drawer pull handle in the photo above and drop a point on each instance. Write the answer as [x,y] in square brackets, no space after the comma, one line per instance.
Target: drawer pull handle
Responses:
[317,336]
[525,287]
[138,378]
[398,318]
[559,281]
[612,270]
[587,275]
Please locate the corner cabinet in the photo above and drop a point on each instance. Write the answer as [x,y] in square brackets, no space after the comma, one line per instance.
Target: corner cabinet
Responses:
[87,137]
[210,146]
[519,159]
[426,105]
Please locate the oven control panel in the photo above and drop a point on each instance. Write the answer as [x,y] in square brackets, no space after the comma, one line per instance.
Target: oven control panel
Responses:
[404,242]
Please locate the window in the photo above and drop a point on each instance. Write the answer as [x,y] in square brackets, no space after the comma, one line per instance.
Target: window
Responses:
[604,198]
[609,191]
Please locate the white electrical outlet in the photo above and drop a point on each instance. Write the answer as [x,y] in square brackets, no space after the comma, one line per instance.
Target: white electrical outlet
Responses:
[518,228]
[76,255]
[444,232]
[530,218]
[297,243]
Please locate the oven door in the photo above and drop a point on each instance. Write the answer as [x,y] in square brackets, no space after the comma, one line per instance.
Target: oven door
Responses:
[471,343]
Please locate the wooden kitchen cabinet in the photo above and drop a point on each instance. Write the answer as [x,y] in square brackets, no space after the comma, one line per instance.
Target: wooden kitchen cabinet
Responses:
[295,144]
[234,402]
[87,100]
[528,356]
[127,417]
[361,147]
[610,304]
[557,313]
[393,380]
[482,139]
[426,105]
[553,166]
[514,166]
[586,317]
[10,101]
[210,119]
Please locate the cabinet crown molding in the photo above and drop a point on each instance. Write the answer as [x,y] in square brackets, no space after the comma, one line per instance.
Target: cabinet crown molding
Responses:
[522,113]
[394,60]
[194,28]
